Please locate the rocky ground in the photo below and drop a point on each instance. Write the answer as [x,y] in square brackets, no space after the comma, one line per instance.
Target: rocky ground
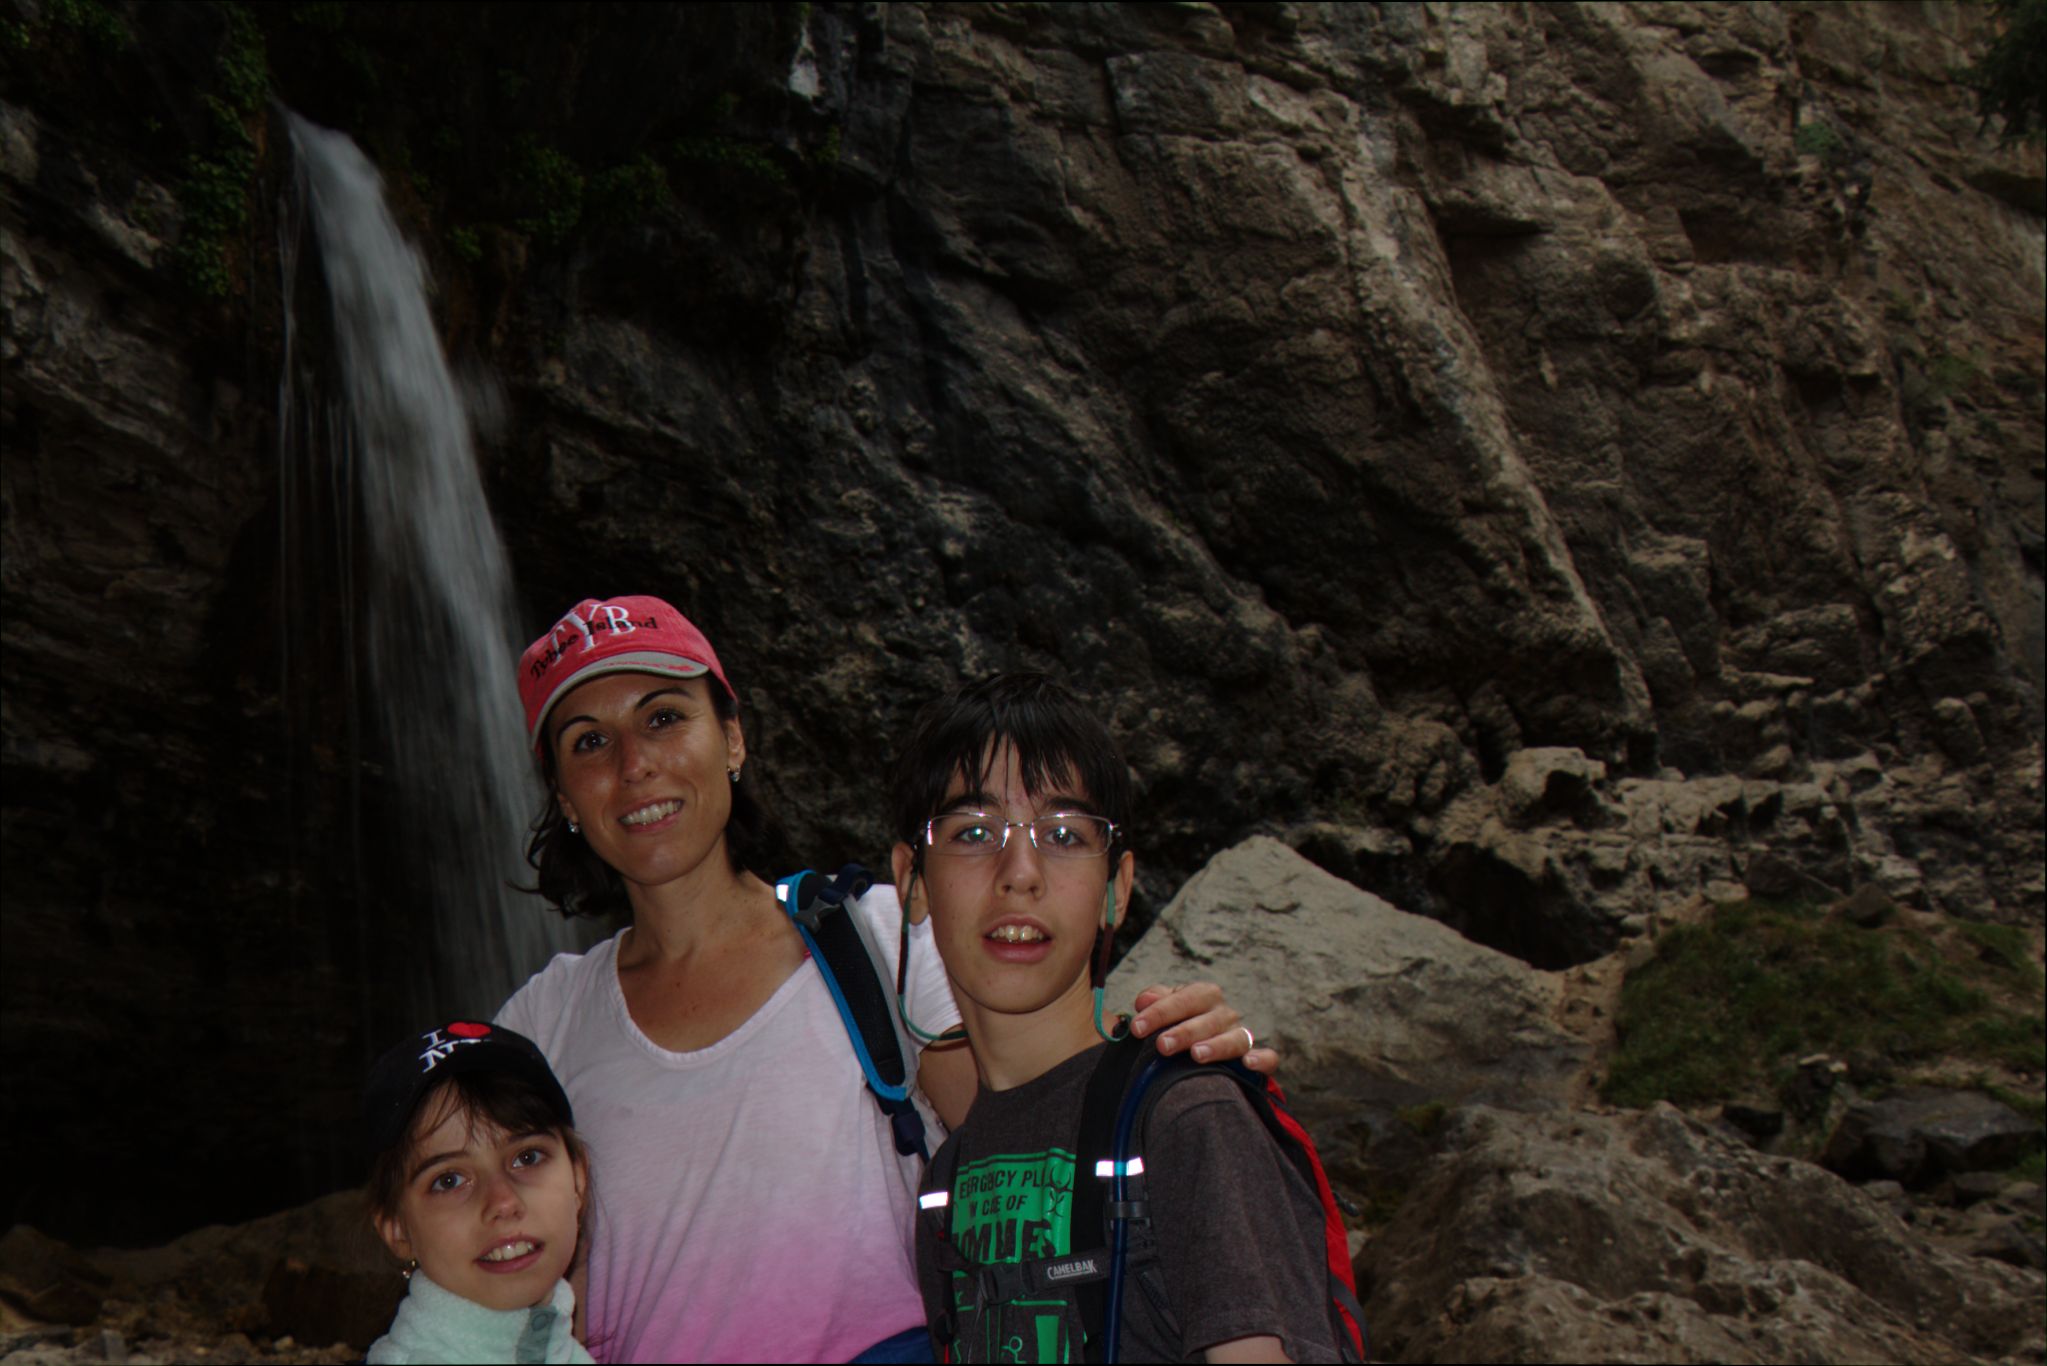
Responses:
[1500,1209]
[1503,1211]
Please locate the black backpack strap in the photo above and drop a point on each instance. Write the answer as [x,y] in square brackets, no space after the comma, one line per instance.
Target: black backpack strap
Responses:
[1099,1106]
[854,979]
[934,1221]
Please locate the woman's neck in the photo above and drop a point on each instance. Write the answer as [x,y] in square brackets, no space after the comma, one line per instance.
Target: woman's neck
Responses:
[706,908]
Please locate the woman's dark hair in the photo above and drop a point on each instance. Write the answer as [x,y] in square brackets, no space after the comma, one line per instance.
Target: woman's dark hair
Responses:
[574,881]
[496,1098]
[1056,735]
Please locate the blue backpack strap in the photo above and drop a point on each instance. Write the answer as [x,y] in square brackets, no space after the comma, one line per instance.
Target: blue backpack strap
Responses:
[817,906]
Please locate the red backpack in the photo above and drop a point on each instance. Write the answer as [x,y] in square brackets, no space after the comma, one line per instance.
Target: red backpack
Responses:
[1124,1089]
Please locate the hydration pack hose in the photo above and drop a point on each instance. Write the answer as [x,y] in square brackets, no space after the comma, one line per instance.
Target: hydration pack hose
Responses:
[1119,1158]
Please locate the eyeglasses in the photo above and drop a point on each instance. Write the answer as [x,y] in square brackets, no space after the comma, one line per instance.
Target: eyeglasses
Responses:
[979,834]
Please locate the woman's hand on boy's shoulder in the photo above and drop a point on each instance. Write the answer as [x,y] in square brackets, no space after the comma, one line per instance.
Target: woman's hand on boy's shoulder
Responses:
[1196,1018]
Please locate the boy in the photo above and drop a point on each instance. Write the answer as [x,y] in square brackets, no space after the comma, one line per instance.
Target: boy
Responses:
[1010,803]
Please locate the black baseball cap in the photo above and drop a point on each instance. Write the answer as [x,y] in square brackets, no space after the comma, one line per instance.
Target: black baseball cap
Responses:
[413,1068]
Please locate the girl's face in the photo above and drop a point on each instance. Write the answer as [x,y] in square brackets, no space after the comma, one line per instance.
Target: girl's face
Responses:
[491,1216]
[643,764]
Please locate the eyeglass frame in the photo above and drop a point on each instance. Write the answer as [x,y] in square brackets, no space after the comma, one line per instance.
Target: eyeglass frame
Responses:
[1111,830]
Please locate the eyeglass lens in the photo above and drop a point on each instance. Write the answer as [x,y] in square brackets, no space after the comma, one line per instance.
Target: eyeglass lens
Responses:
[977,834]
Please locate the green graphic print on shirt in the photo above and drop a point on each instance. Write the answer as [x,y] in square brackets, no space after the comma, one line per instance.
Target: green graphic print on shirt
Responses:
[1014,1208]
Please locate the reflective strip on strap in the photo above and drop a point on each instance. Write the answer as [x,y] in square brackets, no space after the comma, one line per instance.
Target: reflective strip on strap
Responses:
[934,1199]
[1106,1168]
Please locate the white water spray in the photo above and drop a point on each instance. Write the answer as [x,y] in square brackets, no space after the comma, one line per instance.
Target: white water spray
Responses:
[434,588]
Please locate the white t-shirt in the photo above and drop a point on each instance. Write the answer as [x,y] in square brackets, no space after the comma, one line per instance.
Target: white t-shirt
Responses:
[749,1201]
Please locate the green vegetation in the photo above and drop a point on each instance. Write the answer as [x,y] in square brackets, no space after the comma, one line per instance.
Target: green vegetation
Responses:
[1950,373]
[1425,1119]
[214,193]
[1816,139]
[466,245]
[1727,1006]
[100,25]
[551,187]
[628,193]
[2010,80]
[754,159]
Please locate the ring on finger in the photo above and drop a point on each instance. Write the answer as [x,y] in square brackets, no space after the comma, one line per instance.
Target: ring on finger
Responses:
[1249,1041]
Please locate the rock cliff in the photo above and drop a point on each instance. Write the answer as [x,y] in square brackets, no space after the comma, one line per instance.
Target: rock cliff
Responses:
[1534,460]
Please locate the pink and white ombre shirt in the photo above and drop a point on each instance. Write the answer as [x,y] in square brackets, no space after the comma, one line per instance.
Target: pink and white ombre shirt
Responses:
[749,1201]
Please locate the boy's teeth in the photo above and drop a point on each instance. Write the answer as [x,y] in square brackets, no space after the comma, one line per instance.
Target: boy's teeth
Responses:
[650,814]
[1016,934]
[508,1252]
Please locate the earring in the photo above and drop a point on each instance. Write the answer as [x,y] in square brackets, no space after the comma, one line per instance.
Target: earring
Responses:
[574,829]
[405,1272]
[733,774]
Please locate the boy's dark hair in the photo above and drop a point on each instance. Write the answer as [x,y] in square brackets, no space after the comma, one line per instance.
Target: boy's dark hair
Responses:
[574,881]
[498,1098]
[1056,736]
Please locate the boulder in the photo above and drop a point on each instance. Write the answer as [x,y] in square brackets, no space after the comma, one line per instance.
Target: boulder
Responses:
[1376,1010]
[47,1280]
[1546,782]
[315,1272]
[1645,1236]
[1920,1134]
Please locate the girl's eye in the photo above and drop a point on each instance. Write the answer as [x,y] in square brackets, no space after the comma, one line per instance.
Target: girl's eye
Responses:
[667,716]
[530,1157]
[445,1182]
[585,742]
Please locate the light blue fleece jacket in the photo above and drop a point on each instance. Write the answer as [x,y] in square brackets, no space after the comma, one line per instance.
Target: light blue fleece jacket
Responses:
[436,1325]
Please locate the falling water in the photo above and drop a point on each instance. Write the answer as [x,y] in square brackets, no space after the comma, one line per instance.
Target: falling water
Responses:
[421,589]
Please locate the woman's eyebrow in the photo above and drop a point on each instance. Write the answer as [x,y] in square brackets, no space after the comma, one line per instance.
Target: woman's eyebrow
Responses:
[659,692]
[970,801]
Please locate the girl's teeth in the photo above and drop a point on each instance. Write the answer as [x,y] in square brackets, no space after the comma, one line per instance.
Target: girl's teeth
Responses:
[1017,934]
[507,1252]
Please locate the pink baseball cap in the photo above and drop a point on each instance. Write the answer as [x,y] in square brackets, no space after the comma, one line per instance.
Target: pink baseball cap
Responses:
[611,636]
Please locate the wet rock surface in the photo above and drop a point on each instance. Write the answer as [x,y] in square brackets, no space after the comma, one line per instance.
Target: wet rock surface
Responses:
[1644,1237]
[1505,454]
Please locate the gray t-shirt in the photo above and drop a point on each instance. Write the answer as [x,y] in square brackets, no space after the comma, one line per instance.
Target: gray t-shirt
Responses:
[1239,1230]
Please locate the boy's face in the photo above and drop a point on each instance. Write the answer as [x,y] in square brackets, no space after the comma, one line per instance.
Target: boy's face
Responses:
[491,1216]
[1015,927]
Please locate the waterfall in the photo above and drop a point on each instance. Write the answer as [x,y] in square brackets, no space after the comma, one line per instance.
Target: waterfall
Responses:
[411,596]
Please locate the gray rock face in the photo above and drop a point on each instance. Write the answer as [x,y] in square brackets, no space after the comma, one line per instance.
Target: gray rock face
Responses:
[1646,1237]
[1375,1008]
[1921,1134]
[1353,398]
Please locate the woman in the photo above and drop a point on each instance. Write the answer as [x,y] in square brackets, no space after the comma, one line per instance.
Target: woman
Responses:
[750,1203]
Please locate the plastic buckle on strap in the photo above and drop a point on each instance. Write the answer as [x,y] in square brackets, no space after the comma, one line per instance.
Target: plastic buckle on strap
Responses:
[999,1284]
[909,1130]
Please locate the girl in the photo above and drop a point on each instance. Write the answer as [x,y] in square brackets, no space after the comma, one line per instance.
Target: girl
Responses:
[478,1184]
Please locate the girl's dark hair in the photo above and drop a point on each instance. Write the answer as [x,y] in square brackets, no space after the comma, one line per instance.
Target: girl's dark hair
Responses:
[1055,734]
[495,1098]
[575,881]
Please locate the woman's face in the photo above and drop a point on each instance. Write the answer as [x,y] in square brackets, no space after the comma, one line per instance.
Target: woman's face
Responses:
[643,765]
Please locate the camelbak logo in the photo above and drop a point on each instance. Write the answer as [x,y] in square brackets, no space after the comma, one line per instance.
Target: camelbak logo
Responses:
[1072,1270]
